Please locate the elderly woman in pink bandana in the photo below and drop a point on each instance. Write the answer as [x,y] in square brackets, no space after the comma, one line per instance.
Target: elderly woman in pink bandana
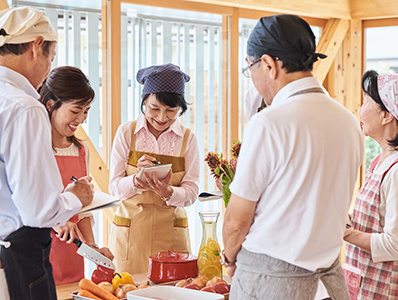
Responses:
[371,261]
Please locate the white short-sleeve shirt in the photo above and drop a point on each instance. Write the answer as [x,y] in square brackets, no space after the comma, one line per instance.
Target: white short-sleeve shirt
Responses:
[299,160]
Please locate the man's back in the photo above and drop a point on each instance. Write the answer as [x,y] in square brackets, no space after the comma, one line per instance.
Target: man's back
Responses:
[308,150]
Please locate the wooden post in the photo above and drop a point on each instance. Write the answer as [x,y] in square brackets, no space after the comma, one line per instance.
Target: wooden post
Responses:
[225,81]
[115,67]
[234,81]
[329,44]
[105,81]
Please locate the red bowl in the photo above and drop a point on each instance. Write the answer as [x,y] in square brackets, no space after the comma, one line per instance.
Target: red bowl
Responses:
[171,266]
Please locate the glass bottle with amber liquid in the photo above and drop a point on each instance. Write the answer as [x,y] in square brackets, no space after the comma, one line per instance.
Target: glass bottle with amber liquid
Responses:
[209,262]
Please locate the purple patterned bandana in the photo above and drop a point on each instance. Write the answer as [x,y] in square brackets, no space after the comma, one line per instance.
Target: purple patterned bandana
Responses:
[162,78]
[388,92]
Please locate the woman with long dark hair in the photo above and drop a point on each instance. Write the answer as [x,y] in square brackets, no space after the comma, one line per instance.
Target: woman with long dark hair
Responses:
[67,96]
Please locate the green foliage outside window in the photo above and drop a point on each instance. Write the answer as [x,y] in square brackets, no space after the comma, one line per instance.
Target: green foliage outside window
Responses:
[372,150]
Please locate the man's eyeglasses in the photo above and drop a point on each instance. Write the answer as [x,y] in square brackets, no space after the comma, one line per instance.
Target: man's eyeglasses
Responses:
[246,70]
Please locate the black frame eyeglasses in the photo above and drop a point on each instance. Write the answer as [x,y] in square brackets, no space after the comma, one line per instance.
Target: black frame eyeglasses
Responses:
[246,70]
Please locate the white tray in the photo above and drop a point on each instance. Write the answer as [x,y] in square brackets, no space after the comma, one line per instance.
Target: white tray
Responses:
[172,293]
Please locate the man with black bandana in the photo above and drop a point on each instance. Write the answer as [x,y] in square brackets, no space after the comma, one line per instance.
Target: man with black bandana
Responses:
[284,225]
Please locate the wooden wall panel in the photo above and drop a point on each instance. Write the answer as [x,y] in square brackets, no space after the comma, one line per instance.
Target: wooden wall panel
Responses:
[317,9]
[98,168]
[257,14]
[330,42]
[344,78]
[375,9]
[100,174]
[3,4]
[200,6]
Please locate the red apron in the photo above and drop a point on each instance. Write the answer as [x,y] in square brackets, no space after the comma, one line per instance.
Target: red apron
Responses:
[68,266]
[376,280]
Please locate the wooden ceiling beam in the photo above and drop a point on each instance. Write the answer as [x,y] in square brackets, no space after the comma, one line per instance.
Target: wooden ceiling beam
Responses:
[366,10]
[330,42]
[3,4]
[317,9]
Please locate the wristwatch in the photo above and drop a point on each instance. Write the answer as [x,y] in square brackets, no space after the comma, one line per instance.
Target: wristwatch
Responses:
[94,245]
[224,260]
[165,199]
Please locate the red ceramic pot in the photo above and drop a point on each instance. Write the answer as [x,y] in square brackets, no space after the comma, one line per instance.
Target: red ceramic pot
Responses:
[172,265]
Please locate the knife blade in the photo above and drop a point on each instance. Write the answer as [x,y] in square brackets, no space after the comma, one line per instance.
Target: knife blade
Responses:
[93,255]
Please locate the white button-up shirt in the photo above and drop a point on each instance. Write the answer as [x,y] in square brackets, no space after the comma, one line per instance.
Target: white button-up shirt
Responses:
[30,183]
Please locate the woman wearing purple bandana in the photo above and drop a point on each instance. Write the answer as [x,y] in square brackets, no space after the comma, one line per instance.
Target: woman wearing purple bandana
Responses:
[152,217]
[371,264]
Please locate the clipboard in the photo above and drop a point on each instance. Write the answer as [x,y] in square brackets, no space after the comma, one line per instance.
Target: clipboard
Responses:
[160,170]
[101,200]
[207,196]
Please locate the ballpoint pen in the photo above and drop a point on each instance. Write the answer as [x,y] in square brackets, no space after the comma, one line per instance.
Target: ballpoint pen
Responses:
[156,162]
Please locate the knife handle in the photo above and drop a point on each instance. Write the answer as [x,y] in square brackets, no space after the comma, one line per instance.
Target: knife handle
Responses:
[77,242]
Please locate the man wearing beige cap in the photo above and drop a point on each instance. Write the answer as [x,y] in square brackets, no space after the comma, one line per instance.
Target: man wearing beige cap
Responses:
[30,184]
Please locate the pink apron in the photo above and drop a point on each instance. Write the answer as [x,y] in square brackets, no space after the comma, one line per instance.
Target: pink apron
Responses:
[366,279]
[68,266]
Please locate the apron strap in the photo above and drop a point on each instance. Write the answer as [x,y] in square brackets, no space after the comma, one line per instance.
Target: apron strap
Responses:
[184,142]
[133,125]
[307,91]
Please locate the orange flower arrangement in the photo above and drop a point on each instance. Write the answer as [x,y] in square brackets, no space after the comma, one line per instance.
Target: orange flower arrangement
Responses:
[223,170]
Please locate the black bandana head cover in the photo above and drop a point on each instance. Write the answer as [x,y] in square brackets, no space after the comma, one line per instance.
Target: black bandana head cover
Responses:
[288,37]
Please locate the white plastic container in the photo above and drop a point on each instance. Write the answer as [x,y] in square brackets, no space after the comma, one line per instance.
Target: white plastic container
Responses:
[171,293]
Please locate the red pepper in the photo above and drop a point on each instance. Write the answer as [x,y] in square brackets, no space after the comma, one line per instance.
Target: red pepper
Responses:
[102,274]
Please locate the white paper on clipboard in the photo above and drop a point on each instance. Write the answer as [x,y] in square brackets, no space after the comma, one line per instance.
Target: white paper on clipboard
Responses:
[101,200]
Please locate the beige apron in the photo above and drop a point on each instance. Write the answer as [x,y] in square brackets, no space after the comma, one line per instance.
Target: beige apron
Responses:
[144,224]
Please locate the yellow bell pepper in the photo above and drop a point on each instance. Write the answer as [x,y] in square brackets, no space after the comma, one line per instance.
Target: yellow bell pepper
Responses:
[124,278]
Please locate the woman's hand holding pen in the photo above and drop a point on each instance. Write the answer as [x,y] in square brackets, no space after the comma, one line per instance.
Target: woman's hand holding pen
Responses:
[145,161]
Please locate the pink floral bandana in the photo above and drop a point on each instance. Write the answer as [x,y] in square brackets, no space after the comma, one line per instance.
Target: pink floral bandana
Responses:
[388,90]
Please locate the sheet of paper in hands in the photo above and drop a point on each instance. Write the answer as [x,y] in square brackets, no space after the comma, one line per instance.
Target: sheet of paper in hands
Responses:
[101,200]
[207,196]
